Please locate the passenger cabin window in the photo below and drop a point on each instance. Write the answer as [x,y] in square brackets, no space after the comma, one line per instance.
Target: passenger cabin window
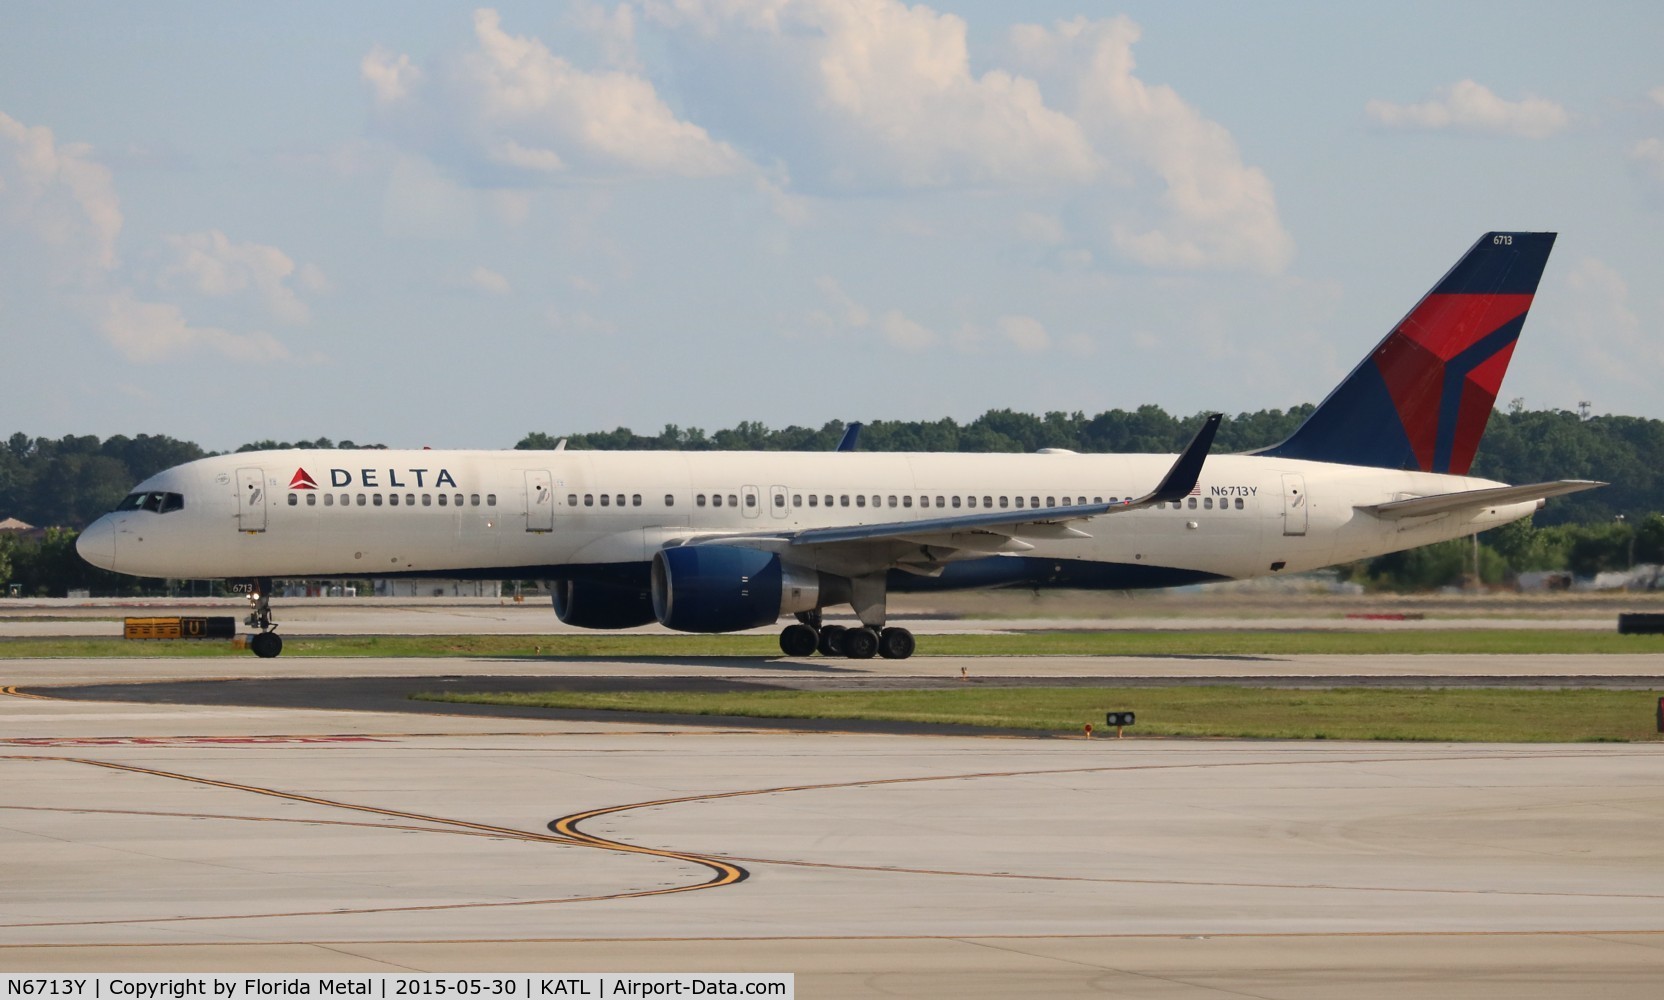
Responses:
[860,500]
[393,499]
[905,501]
[427,499]
[669,500]
[699,500]
[376,499]
[442,499]
[716,499]
[812,499]
[1238,503]
[294,499]
[571,499]
[956,501]
[1207,503]
[491,500]
[329,499]
[605,500]
[635,499]
[751,499]
[363,501]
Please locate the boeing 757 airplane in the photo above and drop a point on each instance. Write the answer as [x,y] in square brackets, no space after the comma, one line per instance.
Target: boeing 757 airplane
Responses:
[724,541]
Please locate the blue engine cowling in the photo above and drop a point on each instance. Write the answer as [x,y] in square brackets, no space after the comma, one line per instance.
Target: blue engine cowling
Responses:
[726,588]
[592,604]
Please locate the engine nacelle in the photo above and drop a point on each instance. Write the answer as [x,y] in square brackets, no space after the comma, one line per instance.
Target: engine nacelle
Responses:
[588,604]
[726,588]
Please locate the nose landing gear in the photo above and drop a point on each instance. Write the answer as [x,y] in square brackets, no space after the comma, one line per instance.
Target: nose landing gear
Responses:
[266,643]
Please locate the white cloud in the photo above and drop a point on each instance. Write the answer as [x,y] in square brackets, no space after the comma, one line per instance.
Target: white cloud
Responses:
[148,332]
[58,197]
[483,279]
[1025,332]
[871,94]
[61,195]
[508,108]
[905,333]
[392,78]
[834,97]
[1657,95]
[1214,210]
[614,30]
[846,315]
[210,264]
[313,279]
[1472,107]
[849,311]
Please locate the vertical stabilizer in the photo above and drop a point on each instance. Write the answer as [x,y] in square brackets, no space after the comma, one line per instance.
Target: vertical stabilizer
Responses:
[1422,397]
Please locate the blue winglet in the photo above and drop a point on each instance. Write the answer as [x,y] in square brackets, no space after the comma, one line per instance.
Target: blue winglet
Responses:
[852,433]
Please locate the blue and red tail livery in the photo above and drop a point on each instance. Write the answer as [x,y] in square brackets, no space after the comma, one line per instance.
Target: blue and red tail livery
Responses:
[1422,397]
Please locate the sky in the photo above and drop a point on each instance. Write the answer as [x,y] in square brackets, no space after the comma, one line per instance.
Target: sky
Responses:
[430,224]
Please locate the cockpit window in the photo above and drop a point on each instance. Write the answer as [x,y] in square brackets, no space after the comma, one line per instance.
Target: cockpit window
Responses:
[154,501]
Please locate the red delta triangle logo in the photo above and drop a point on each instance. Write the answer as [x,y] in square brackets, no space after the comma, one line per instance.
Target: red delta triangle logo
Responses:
[303,481]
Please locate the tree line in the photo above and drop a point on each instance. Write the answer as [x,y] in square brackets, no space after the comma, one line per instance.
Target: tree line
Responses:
[65,483]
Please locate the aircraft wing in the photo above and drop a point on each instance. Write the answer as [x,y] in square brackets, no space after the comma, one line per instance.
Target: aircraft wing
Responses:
[922,545]
[1444,503]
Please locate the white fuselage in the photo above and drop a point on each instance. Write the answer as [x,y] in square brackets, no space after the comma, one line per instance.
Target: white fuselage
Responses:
[535,514]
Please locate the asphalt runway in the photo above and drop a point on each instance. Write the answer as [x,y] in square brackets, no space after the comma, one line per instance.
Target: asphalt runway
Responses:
[247,815]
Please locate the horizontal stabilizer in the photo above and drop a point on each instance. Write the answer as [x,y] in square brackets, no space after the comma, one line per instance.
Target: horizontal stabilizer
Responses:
[1444,503]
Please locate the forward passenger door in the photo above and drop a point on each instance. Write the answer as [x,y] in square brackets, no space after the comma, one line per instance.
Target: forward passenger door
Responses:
[251,499]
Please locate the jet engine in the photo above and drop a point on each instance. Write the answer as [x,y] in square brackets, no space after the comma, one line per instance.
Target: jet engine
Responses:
[725,588]
[590,604]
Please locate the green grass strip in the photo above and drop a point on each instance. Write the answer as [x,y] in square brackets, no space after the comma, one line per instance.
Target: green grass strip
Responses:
[1435,715]
[1063,643]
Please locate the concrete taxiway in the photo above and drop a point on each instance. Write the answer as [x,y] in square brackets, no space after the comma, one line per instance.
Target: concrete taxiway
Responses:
[248,838]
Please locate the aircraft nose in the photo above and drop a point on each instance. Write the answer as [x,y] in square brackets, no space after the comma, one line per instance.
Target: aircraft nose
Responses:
[97,544]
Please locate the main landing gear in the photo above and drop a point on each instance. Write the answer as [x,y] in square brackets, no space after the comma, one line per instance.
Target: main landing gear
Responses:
[809,636]
[266,643]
